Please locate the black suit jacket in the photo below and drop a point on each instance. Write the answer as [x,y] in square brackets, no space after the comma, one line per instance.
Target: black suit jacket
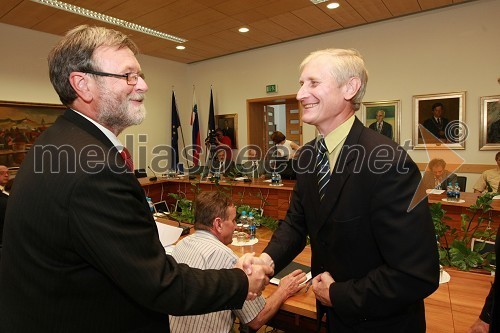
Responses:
[383,257]
[81,250]
[386,129]
[3,207]
[434,127]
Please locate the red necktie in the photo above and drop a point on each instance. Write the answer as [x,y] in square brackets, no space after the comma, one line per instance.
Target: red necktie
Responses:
[128,159]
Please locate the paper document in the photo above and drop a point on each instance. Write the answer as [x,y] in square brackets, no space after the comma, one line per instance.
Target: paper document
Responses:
[168,234]
[434,191]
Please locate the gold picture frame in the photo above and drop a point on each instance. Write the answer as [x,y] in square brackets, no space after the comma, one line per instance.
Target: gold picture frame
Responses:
[452,133]
[228,123]
[392,110]
[20,124]
[489,131]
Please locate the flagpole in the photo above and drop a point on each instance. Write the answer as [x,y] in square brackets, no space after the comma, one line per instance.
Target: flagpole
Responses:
[184,145]
[182,136]
[195,133]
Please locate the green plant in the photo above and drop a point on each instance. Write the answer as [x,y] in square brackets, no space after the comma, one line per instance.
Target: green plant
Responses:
[269,222]
[456,250]
[185,207]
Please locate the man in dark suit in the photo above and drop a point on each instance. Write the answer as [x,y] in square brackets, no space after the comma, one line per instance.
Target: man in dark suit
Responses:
[489,319]
[220,164]
[374,255]
[437,124]
[81,249]
[381,126]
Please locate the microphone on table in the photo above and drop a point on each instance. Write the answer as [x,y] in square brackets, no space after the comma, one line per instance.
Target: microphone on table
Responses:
[153,179]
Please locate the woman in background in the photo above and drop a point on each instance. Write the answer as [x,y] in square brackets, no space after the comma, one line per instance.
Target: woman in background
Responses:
[284,147]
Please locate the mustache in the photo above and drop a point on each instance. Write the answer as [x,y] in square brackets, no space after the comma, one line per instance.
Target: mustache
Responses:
[137,97]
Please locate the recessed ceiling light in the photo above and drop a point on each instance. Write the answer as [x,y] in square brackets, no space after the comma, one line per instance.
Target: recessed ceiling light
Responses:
[243,29]
[318,1]
[180,47]
[333,5]
[109,19]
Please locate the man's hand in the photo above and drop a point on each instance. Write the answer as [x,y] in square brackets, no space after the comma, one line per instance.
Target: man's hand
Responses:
[258,275]
[292,283]
[265,259]
[321,287]
[479,326]
[245,262]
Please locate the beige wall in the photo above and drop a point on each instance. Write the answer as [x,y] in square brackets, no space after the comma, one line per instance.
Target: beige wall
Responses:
[448,50]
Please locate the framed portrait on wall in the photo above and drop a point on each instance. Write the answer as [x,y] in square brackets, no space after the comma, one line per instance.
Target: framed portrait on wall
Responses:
[489,130]
[20,125]
[228,123]
[383,117]
[439,121]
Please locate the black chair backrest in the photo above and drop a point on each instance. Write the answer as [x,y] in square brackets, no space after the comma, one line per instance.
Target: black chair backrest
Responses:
[140,173]
[462,182]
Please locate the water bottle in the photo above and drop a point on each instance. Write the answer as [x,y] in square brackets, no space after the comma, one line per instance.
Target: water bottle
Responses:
[244,222]
[150,203]
[251,225]
[217,175]
[457,192]
[450,192]
[275,178]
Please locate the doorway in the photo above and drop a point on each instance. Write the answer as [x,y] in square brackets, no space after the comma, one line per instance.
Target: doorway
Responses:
[278,113]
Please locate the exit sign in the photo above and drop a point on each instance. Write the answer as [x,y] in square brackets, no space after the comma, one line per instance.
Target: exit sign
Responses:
[272,88]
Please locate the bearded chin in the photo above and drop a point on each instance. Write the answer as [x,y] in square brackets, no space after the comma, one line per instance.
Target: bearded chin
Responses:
[119,118]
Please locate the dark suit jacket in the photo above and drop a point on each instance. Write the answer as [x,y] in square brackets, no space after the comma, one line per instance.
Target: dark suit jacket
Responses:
[383,258]
[386,129]
[434,128]
[3,207]
[491,309]
[227,169]
[81,250]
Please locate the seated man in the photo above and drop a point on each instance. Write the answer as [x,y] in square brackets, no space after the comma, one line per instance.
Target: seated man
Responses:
[215,221]
[252,166]
[221,164]
[437,177]
[489,179]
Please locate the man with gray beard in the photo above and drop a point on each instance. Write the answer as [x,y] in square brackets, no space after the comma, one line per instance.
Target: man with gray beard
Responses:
[81,249]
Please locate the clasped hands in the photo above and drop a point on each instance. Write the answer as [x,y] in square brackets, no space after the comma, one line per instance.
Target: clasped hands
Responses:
[258,272]
[320,284]
[260,269]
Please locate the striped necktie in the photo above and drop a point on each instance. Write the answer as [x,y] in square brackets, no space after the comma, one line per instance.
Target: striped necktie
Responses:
[128,159]
[322,167]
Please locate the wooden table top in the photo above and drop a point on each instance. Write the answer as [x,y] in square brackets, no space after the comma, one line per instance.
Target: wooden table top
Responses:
[258,183]
[468,197]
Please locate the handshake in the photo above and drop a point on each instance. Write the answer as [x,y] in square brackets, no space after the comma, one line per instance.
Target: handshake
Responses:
[258,270]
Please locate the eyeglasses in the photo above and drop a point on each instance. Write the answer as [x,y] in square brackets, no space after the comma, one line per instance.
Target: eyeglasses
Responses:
[132,78]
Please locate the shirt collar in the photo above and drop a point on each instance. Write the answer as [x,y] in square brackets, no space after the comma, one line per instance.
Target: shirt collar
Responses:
[338,135]
[110,135]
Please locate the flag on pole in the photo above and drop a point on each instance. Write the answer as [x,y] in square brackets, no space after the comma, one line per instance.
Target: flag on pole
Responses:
[196,133]
[176,123]
[211,115]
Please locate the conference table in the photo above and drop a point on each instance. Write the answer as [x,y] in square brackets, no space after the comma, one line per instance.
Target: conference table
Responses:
[275,199]
[258,193]
[453,307]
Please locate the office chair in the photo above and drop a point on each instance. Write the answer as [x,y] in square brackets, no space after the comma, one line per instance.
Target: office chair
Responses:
[462,182]
[140,173]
